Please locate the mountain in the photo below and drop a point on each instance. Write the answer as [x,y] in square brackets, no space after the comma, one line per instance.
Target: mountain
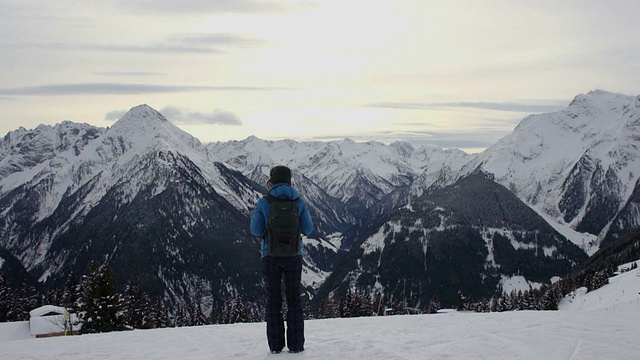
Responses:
[471,236]
[357,174]
[141,197]
[149,199]
[578,167]
[13,272]
[24,149]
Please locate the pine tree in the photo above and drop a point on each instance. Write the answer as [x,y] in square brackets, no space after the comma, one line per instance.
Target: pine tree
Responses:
[5,299]
[239,312]
[307,311]
[434,305]
[227,312]
[196,316]
[461,301]
[504,304]
[598,280]
[181,318]
[323,310]
[549,300]
[52,296]
[33,297]
[366,304]
[346,305]
[72,292]
[397,306]
[159,315]
[352,304]
[25,301]
[483,306]
[136,307]
[378,305]
[256,312]
[101,303]
[494,304]
[519,301]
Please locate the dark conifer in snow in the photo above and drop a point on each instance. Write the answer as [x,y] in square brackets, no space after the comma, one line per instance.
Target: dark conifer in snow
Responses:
[136,307]
[101,302]
[5,300]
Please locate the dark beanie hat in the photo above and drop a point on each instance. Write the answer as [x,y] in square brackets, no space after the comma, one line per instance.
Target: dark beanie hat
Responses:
[280,174]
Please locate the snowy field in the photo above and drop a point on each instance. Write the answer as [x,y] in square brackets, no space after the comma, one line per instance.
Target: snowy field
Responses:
[604,324]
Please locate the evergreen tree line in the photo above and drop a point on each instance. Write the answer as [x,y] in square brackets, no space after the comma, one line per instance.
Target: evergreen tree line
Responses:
[592,275]
[364,303]
[98,306]
[16,302]
[546,297]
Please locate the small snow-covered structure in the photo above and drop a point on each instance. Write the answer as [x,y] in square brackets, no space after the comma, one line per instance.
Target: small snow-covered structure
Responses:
[51,320]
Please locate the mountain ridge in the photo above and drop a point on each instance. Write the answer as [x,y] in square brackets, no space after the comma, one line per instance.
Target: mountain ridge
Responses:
[57,177]
[467,236]
[572,163]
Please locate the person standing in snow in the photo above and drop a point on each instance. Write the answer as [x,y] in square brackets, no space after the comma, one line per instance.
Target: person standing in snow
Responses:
[277,268]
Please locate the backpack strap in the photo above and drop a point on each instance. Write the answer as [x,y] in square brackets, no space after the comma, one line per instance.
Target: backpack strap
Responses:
[270,198]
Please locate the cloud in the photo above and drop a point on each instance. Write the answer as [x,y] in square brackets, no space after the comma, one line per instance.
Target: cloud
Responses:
[217,43]
[158,48]
[128,73]
[122,89]
[181,116]
[115,115]
[460,140]
[218,39]
[217,116]
[476,139]
[216,6]
[497,106]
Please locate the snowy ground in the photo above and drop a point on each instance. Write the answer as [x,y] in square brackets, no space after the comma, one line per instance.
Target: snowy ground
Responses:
[604,324]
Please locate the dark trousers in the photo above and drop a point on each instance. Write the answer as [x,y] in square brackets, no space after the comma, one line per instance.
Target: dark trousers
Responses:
[274,270]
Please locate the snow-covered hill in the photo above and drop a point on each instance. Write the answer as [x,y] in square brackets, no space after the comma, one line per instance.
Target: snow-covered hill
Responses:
[621,294]
[603,326]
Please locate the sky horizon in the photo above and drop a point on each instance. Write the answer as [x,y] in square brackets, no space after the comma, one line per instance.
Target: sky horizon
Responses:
[454,74]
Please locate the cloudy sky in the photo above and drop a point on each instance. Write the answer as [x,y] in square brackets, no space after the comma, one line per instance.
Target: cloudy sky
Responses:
[454,73]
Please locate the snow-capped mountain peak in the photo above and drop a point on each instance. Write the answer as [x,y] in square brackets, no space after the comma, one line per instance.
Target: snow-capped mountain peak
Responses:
[144,127]
[70,189]
[345,169]
[577,167]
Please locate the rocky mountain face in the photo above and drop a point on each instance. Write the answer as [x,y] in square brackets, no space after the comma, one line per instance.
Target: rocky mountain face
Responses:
[23,149]
[158,206]
[141,198]
[578,167]
[470,236]
[357,174]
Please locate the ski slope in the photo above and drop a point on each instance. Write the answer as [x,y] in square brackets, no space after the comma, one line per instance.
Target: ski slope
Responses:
[603,324]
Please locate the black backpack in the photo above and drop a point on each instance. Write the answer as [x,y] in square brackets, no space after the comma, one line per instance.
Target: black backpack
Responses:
[283,227]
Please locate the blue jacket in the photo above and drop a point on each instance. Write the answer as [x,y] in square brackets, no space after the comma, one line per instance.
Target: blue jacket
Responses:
[260,216]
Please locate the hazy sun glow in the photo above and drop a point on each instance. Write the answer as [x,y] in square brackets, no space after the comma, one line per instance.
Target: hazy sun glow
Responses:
[459,74]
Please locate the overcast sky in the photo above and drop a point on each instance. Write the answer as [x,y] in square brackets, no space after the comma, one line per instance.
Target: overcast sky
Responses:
[454,73]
